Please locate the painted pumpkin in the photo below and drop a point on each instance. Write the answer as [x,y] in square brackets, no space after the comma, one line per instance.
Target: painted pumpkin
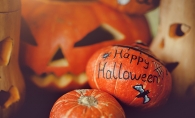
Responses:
[174,44]
[63,39]
[132,6]
[130,73]
[87,103]
[11,80]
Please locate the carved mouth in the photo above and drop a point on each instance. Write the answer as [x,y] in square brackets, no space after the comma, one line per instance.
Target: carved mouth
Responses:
[9,97]
[171,66]
[59,82]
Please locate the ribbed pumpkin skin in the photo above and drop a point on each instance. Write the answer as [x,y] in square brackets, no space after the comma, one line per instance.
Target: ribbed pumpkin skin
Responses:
[118,70]
[69,105]
[57,24]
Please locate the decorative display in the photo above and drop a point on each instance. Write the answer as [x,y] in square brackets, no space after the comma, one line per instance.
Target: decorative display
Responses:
[11,81]
[131,73]
[174,44]
[61,39]
[87,103]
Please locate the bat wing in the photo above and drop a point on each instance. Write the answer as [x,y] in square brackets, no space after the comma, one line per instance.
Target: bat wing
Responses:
[139,88]
[146,99]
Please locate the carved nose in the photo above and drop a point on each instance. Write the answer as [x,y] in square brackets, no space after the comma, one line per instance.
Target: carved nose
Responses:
[59,60]
[162,43]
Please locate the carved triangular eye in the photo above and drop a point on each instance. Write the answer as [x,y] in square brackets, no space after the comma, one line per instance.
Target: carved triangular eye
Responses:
[25,33]
[103,33]
[5,51]
[58,59]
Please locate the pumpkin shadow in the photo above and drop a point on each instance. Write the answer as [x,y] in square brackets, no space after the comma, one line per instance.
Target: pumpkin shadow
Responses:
[172,109]
[38,102]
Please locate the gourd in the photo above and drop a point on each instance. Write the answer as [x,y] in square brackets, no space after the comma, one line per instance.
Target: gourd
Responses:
[61,39]
[174,44]
[12,85]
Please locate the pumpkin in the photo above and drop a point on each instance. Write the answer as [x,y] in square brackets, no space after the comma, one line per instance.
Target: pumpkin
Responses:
[61,39]
[174,44]
[87,103]
[139,7]
[11,80]
[132,74]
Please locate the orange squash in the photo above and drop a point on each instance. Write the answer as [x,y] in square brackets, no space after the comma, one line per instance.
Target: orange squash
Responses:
[64,38]
[130,73]
[87,103]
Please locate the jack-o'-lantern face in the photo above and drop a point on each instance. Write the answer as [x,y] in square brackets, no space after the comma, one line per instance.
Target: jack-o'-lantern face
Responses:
[132,6]
[175,44]
[63,38]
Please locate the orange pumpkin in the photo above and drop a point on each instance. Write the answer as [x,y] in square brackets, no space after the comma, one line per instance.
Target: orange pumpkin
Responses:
[132,6]
[130,73]
[64,38]
[87,103]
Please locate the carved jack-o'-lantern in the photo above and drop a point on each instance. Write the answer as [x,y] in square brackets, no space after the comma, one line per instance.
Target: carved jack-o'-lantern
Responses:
[66,34]
[132,6]
[174,44]
[11,80]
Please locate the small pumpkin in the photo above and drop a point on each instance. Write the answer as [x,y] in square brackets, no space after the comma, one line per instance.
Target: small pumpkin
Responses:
[130,73]
[11,81]
[63,39]
[87,103]
[139,7]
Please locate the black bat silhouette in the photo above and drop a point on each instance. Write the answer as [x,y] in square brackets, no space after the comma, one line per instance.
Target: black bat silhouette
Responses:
[143,93]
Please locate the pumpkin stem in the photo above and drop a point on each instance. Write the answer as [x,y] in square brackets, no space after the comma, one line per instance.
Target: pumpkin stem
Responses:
[87,101]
